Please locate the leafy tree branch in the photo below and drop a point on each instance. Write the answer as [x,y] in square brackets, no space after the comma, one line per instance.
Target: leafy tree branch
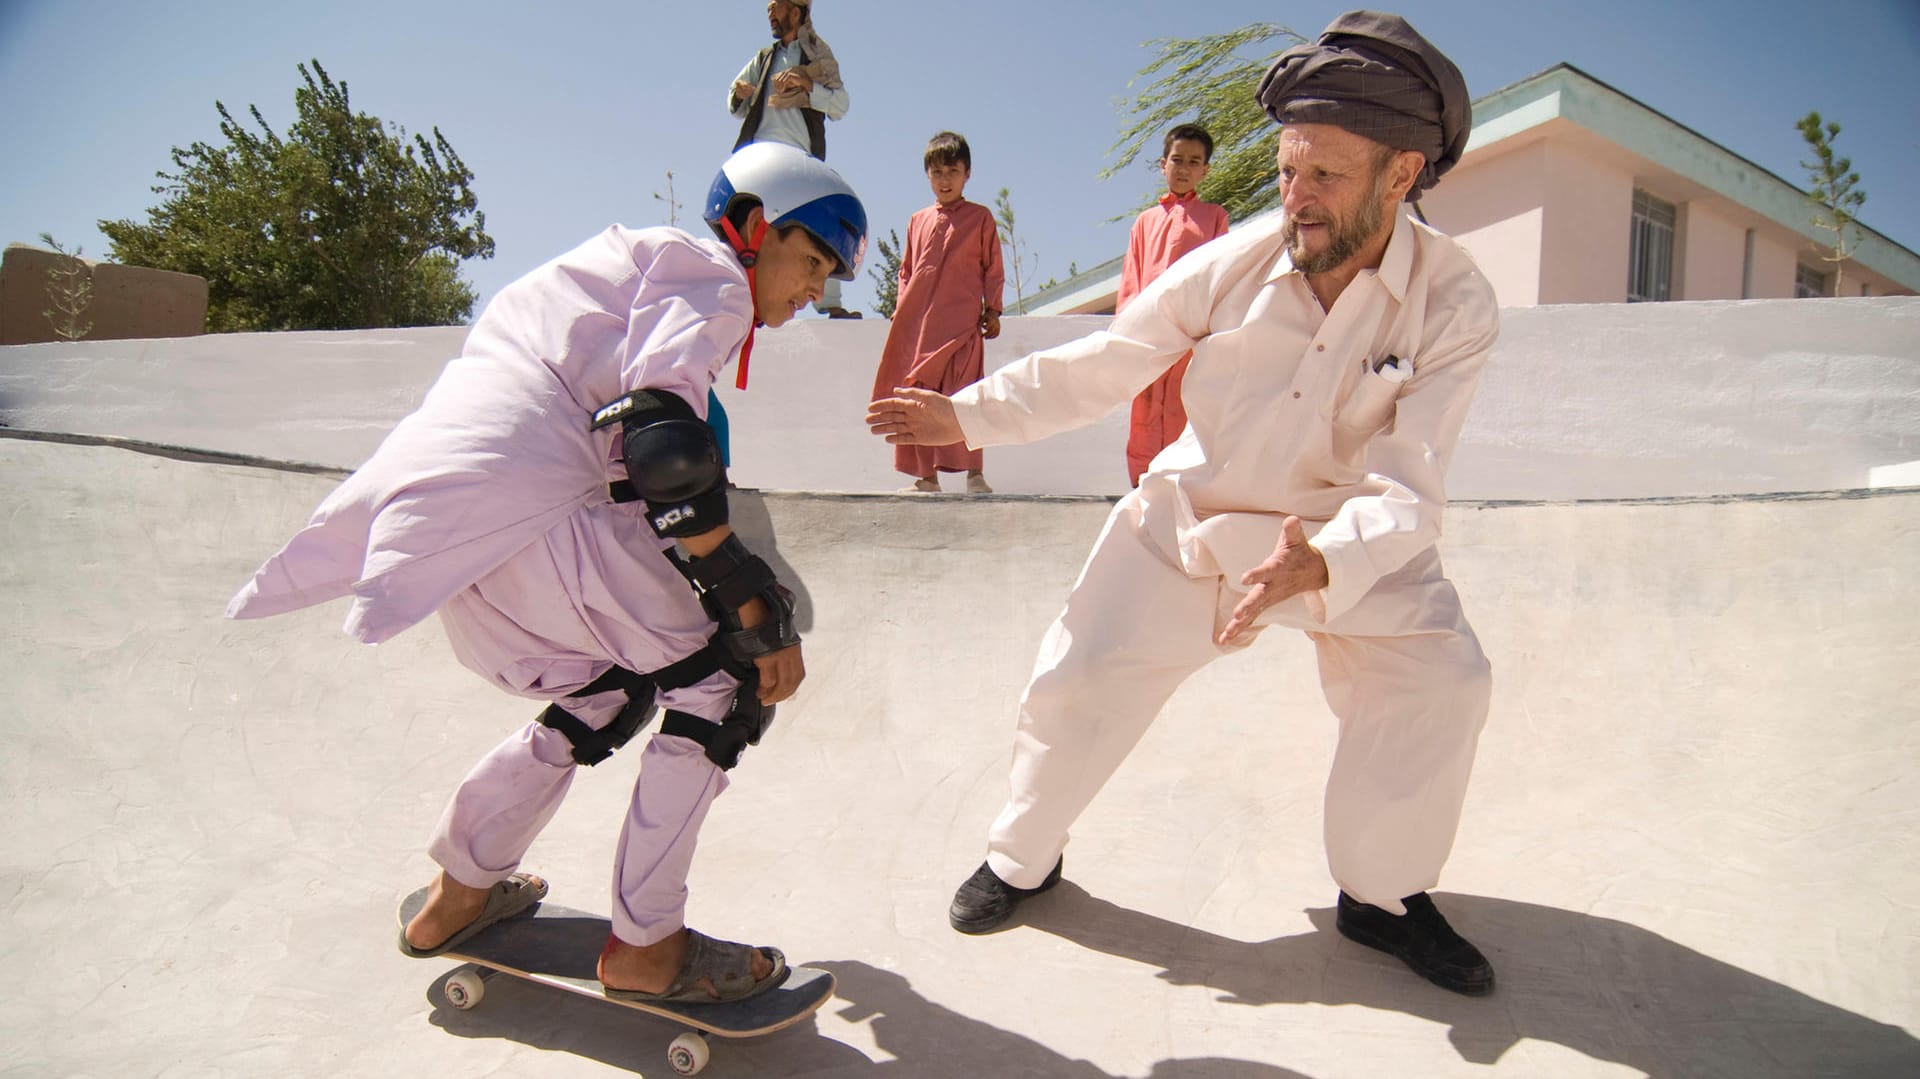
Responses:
[1835,192]
[342,223]
[1210,81]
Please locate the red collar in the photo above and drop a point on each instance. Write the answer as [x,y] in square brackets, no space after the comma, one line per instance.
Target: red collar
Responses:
[1170,198]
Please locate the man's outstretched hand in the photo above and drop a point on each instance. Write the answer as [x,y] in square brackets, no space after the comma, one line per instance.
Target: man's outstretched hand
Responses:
[913,417]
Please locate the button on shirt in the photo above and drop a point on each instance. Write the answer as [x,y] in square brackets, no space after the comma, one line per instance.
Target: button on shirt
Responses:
[1287,412]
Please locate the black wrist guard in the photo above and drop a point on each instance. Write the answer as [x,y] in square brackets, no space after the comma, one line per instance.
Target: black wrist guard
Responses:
[727,579]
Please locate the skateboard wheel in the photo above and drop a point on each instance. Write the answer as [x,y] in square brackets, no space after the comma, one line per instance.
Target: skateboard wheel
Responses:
[464,988]
[688,1053]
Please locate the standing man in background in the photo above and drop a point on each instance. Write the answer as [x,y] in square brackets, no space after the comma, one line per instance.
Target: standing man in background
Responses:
[787,93]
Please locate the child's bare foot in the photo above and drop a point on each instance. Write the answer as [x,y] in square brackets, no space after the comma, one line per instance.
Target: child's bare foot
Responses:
[977,484]
[929,485]
[452,906]
[652,968]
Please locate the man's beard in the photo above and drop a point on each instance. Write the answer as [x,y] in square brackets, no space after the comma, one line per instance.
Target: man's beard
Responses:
[1345,236]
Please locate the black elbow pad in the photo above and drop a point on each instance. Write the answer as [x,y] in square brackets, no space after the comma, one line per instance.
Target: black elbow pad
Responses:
[673,461]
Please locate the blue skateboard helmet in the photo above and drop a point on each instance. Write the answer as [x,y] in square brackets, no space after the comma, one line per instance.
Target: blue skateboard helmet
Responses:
[793,188]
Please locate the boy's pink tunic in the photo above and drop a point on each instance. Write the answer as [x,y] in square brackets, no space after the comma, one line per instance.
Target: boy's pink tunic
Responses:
[1160,235]
[489,505]
[949,271]
[498,465]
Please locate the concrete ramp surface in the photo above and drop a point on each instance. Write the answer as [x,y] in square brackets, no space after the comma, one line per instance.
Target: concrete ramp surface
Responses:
[1691,848]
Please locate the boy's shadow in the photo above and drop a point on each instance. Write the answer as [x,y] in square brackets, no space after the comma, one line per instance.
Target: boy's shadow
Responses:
[1604,988]
[925,1040]
[747,514]
[548,1019]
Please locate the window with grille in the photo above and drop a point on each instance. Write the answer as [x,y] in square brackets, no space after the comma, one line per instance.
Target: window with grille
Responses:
[1808,281]
[1650,251]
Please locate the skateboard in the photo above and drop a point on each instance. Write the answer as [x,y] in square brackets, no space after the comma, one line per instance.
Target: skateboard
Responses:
[559,947]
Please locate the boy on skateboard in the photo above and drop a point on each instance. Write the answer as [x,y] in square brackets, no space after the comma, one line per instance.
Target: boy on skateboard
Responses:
[559,500]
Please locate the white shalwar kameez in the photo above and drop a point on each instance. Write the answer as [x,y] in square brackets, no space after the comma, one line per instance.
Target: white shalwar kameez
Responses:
[489,505]
[1287,414]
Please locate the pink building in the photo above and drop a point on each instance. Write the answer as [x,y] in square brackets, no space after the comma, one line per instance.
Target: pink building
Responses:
[1573,192]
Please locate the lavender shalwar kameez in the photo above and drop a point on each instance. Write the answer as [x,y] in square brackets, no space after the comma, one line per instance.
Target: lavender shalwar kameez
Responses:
[489,505]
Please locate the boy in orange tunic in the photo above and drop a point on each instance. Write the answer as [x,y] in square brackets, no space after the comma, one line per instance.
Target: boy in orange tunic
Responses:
[948,308]
[1175,225]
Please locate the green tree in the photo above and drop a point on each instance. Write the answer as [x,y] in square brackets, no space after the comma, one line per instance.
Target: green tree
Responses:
[886,275]
[1835,193]
[344,223]
[69,290]
[1018,265]
[1210,81]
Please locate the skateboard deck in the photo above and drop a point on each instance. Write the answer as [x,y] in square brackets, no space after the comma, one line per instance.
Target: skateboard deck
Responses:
[560,947]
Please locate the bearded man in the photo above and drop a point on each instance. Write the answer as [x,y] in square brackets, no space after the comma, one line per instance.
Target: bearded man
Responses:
[786,93]
[1336,348]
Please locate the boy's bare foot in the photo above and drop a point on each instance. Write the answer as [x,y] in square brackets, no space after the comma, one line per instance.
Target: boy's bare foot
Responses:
[652,968]
[451,906]
[927,485]
[977,484]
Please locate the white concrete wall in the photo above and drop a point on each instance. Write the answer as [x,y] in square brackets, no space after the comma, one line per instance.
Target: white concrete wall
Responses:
[320,397]
[1579,401]
[1723,397]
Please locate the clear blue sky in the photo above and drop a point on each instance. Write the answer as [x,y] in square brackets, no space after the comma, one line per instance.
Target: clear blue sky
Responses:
[571,114]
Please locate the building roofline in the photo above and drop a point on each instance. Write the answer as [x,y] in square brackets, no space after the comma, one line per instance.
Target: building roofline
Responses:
[1567,92]
[1487,99]
[1564,91]
[1067,297]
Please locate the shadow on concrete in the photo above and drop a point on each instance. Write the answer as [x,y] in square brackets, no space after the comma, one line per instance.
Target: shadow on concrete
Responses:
[747,513]
[930,1040]
[541,1017]
[1602,987]
[925,1040]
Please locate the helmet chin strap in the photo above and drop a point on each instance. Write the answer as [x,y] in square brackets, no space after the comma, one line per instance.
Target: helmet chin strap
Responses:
[749,253]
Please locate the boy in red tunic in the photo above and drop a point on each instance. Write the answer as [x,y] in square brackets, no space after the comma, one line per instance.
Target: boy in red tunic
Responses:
[948,308]
[1175,225]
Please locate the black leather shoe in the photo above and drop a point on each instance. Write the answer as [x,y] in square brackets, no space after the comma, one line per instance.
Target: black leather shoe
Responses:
[985,901]
[1421,939]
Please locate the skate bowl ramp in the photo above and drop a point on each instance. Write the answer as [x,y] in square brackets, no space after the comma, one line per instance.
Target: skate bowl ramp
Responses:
[1691,847]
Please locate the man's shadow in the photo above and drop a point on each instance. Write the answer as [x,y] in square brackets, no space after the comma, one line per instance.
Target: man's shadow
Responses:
[929,1041]
[1604,988]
